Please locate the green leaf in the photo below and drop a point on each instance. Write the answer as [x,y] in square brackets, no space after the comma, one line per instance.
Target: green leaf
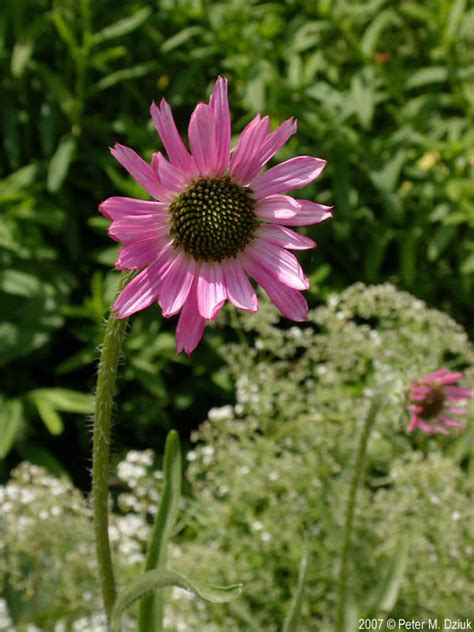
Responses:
[151,608]
[387,176]
[60,163]
[162,578]
[408,252]
[64,400]
[292,620]
[180,38]
[443,236]
[55,84]
[20,57]
[372,34]
[11,418]
[456,15]
[122,27]
[387,595]
[51,419]
[65,32]
[18,181]
[362,96]
[20,283]
[425,76]
[351,614]
[126,74]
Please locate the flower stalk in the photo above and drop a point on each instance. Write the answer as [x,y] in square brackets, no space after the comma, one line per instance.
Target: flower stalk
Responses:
[107,373]
[357,473]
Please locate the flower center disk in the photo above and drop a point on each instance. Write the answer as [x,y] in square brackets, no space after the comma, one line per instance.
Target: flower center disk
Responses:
[433,403]
[213,219]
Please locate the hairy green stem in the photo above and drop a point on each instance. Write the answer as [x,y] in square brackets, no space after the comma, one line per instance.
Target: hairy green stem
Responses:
[350,509]
[109,357]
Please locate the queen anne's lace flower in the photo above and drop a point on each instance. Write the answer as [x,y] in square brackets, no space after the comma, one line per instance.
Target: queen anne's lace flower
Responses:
[434,399]
[215,219]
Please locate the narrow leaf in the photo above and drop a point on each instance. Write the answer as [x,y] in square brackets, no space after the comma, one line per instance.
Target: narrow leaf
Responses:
[18,181]
[122,27]
[11,413]
[351,614]
[126,74]
[362,97]
[60,163]
[151,607]
[162,578]
[64,399]
[20,57]
[387,595]
[374,31]
[65,32]
[180,38]
[293,618]
[425,76]
[56,85]
[51,419]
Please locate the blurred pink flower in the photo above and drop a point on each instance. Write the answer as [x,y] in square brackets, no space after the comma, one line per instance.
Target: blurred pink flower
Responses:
[215,220]
[434,399]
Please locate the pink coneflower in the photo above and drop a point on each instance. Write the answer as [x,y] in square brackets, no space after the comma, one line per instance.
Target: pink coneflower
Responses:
[215,219]
[434,399]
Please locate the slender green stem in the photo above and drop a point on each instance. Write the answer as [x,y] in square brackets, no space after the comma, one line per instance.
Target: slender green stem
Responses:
[350,509]
[109,357]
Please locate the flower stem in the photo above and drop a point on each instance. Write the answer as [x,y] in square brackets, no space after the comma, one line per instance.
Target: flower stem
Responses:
[109,357]
[350,509]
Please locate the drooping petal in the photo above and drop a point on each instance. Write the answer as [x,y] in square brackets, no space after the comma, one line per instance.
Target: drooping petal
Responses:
[284,209]
[453,423]
[140,293]
[211,291]
[285,237]
[425,426]
[134,228]
[141,171]
[278,209]
[118,207]
[219,104]
[455,410]
[245,161]
[176,284]
[439,428]
[310,213]
[292,174]
[458,392]
[138,254]
[281,263]
[429,377]
[290,302]
[165,126]
[170,176]
[450,378]
[202,138]
[190,324]
[239,289]
[413,423]
[277,139]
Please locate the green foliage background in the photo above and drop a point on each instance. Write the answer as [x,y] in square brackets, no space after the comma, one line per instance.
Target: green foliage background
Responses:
[383,91]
